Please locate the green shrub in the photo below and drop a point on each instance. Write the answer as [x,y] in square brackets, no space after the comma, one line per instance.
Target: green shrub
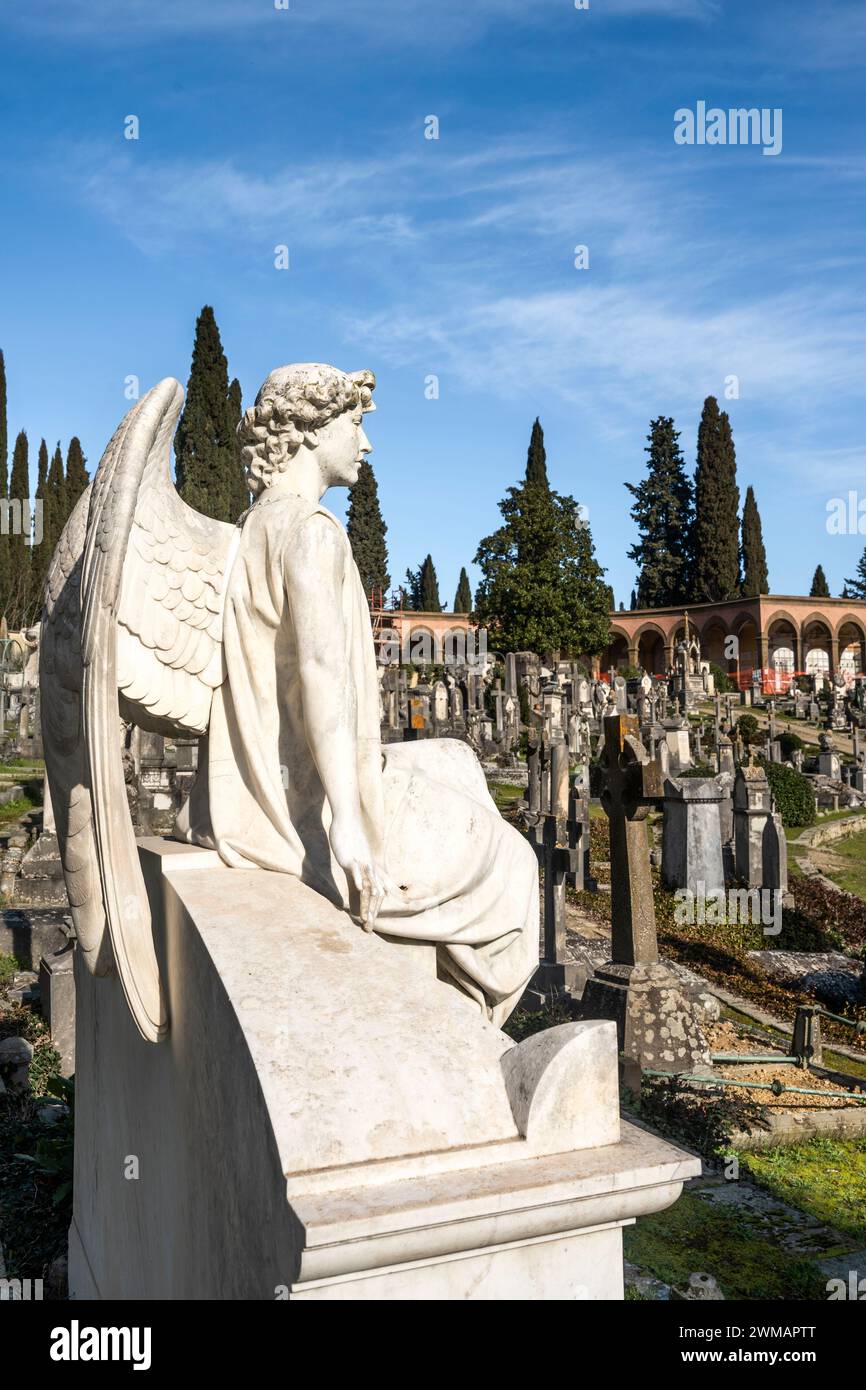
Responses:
[789,742]
[748,729]
[793,794]
[723,682]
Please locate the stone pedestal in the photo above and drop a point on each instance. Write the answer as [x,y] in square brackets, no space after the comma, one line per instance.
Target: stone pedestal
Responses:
[692,838]
[760,848]
[830,765]
[57,1003]
[327,1120]
[656,1025]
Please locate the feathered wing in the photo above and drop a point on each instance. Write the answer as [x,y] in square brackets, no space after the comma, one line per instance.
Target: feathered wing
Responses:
[151,580]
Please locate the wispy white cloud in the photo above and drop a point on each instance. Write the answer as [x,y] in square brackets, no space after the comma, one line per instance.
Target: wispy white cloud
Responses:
[389,22]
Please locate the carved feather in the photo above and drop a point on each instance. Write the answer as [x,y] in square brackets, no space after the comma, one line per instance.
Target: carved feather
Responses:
[133,609]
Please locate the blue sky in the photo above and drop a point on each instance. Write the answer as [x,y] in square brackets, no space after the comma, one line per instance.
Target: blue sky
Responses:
[454,257]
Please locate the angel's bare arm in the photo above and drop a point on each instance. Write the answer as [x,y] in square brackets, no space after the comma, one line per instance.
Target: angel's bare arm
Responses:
[314,569]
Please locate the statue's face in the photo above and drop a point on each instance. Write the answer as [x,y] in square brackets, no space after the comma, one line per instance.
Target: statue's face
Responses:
[341,448]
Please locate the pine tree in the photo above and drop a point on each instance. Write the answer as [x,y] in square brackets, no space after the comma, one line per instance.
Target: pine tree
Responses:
[662,512]
[754,556]
[717,502]
[536,457]
[206,452]
[856,587]
[367,531]
[77,477]
[17,603]
[463,597]
[845,593]
[820,588]
[542,588]
[4,491]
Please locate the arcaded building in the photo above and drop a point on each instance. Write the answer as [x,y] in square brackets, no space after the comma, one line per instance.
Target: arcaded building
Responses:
[776,633]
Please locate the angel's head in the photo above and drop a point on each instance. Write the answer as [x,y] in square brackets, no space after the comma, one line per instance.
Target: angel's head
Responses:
[312,407]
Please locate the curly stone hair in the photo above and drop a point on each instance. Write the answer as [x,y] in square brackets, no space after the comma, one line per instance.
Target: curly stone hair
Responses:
[293,403]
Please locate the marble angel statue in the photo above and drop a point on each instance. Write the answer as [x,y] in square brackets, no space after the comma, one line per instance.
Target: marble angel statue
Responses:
[257,637]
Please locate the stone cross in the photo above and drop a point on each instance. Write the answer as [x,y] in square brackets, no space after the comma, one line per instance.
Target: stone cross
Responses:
[631,783]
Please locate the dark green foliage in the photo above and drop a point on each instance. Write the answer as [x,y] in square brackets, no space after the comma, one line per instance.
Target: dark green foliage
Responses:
[422,589]
[722,680]
[429,588]
[856,587]
[792,793]
[542,588]
[40,553]
[749,729]
[77,476]
[662,512]
[754,556]
[536,458]
[716,574]
[206,452]
[55,500]
[789,742]
[463,597]
[820,588]
[633,604]
[18,592]
[240,494]
[367,531]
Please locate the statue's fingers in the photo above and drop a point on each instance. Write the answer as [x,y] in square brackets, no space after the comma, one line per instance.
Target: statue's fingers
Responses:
[366,898]
[376,896]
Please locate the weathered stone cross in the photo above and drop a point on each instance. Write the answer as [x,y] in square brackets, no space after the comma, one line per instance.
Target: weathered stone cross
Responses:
[631,783]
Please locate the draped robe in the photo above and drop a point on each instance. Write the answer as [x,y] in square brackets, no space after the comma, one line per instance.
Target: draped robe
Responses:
[463,879]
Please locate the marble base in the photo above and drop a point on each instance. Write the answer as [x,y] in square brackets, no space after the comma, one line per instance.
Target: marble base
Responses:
[328,1120]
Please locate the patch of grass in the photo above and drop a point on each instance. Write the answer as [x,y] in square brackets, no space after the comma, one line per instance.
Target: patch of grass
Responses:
[9,967]
[14,810]
[725,1241]
[505,794]
[825,1177]
[852,878]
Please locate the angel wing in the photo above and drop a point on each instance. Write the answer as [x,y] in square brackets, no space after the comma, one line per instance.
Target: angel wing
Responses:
[132,621]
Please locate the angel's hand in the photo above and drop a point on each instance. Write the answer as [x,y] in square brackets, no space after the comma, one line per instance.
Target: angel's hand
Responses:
[355,857]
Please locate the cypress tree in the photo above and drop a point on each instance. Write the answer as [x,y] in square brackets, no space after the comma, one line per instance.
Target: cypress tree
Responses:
[56,495]
[463,597]
[43,523]
[77,477]
[367,531]
[717,505]
[856,587]
[205,445]
[662,511]
[820,588]
[4,491]
[633,600]
[754,556]
[240,494]
[536,457]
[18,541]
[428,591]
